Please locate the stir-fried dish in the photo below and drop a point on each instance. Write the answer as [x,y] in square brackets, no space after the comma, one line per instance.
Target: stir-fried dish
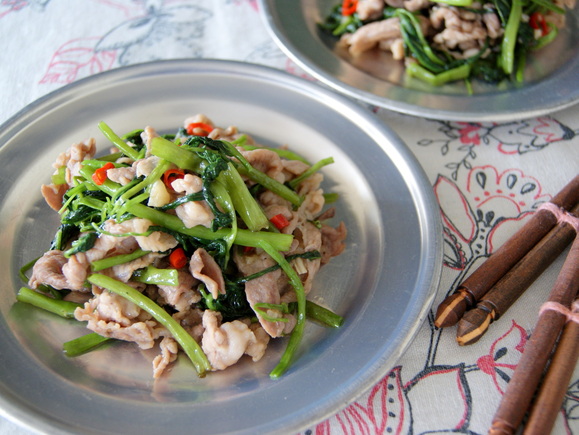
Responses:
[199,242]
[447,40]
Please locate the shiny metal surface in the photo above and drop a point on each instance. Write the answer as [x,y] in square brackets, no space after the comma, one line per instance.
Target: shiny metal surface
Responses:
[551,75]
[383,284]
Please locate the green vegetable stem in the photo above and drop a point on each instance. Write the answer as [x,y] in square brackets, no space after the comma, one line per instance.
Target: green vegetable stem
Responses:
[413,69]
[322,315]
[116,260]
[310,171]
[507,59]
[185,340]
[118,142]
[84,344]
[156,276]
[243,237]
[56,306]
[298,331]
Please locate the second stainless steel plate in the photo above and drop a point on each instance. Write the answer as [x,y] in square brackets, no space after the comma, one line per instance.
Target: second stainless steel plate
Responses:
[551,75]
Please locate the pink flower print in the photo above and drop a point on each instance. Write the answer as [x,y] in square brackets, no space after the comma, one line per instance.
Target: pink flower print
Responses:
[384,410]
[252,3]
[547,129]
[510,191]
[530,135]
[425,410]
[486,213]
[469,133]
[76,59]
[504,356]
[7,6]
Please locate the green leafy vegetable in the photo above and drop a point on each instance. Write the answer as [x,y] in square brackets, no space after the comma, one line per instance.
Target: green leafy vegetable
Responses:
[95,201]
[82,244]
[337,24]
[502,58]
[232,305]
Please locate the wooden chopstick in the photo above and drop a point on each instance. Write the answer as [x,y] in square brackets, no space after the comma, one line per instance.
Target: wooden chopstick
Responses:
[554,386]
[497,284]
[507,290]
[527,375]
[451,309]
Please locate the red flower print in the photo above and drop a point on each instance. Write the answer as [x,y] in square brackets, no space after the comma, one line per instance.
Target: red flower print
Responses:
[384,410]
[516,194]
[469,133]
[471,215]
[252,3]
[450,379]
[530,135]
[7,6]
[504,356]
[76,59]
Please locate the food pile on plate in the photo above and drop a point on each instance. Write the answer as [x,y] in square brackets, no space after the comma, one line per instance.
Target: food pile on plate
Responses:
[450,40]
[200,241]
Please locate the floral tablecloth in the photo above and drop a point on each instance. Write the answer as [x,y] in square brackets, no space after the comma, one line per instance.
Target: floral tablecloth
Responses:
[488,177]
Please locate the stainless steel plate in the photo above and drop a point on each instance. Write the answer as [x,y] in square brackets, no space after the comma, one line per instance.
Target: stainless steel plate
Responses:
[552,74]
[383,284]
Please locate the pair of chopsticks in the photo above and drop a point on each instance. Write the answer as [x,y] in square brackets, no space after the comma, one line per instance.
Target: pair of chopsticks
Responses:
[491,289]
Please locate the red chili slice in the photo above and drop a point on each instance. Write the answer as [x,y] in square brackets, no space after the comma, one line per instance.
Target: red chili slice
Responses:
[349,7]
[171,175]
[280,221]
[100,175]
[177,258]
[537,21]
[206,129]
[248,250]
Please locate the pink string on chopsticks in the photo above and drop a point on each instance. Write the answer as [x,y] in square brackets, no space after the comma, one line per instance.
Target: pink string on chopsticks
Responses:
[563,216]
[572,314]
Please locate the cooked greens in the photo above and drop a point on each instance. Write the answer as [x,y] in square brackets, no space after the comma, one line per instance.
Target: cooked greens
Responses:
[176,225]
[452,40]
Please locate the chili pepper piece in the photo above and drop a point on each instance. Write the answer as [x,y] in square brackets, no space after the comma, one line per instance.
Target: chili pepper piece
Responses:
[100,175]
[349,7]
[177,258]
[171,175]
[537,21]
[280,221]
[199,125]
[248,250]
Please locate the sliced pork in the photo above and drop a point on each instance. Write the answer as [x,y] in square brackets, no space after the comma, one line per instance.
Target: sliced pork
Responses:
[202,286]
